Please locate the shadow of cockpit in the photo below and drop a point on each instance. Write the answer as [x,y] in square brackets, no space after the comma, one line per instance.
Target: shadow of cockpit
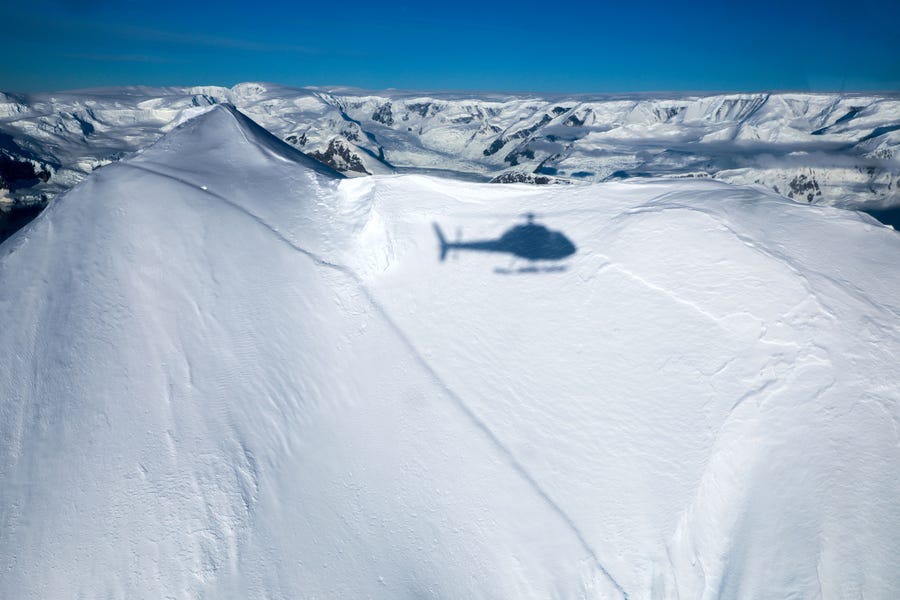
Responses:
[530,241]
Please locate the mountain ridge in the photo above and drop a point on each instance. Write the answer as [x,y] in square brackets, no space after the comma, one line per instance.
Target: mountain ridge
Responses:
[835,149]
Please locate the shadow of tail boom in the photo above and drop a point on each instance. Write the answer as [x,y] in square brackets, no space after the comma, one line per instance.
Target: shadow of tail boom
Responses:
[482,245]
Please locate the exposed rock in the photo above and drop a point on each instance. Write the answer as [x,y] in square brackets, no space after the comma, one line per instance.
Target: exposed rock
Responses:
[340,156]
[20,173]
[513,157]
[383,114]
[16,217]
[879,131]
[495,146]
[521,134]
[666,113]
[295,140]
[423,109]
[524,133]
[854,110]
[622,174]
[521,177]
[740,108]
[84,122]
[352,132]
[203,100]
[803,186]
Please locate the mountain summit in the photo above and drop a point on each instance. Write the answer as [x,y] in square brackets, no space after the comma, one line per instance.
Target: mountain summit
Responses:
[222,129]
[229,372]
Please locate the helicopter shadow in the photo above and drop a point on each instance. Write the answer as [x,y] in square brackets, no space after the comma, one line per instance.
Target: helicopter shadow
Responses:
[529,241]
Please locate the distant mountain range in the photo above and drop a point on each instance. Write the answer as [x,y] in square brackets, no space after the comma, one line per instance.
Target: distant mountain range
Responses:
[834,149]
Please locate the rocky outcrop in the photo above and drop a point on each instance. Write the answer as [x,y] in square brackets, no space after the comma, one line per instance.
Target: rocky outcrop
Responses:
[518,135]
[804,187]
[384,115]
[522,177]
[296,140]
[18,174]
[339,155]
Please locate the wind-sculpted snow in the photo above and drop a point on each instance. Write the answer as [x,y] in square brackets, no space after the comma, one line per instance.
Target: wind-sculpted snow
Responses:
[232,373]
[833,149]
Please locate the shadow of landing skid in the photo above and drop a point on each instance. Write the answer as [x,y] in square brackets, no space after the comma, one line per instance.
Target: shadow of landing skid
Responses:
[529,240]
[531,270]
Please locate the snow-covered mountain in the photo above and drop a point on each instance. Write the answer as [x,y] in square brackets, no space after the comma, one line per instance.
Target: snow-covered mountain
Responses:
[230,372]
[833,149]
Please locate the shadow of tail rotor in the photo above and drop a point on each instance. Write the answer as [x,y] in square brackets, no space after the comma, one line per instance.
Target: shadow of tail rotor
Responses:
[442,240]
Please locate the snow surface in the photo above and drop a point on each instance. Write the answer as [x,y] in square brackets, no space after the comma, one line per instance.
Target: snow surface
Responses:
[231,373]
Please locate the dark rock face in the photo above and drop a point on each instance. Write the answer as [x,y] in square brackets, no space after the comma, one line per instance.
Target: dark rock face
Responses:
[521,134]
[804,186]
[352,134]
[664,114]
[16,218]
[423,109]
[87,128]
[18,168]
[203,100]
[16,174]
[494,147]
[628,174]
[739,108]
[513,157]
[383,114]
[520,177]
[524,133]
[419,107]
[295,140]
[340,157]
[850,114]
[879,131]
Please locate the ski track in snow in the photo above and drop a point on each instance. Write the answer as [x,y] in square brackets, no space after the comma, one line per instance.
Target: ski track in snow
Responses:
[382,312]
[609,264]
[656,206]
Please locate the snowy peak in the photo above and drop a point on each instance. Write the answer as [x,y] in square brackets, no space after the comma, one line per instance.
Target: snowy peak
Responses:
[221,133]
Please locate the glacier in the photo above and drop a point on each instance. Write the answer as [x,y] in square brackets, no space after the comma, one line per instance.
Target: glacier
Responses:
[231,372]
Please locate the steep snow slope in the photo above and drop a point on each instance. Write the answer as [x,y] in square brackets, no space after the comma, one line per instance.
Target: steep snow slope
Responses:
[231,373]
[835,149]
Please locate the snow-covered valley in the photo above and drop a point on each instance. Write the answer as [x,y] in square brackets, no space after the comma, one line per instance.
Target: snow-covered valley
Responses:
[231,372]
[833,149]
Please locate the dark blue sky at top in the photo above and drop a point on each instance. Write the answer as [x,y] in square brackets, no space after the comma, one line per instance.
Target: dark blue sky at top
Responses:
[647,45]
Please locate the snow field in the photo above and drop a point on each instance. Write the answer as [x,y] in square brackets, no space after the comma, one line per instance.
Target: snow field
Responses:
[233,374]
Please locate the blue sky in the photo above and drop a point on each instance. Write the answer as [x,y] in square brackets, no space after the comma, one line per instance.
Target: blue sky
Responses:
[642,45]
